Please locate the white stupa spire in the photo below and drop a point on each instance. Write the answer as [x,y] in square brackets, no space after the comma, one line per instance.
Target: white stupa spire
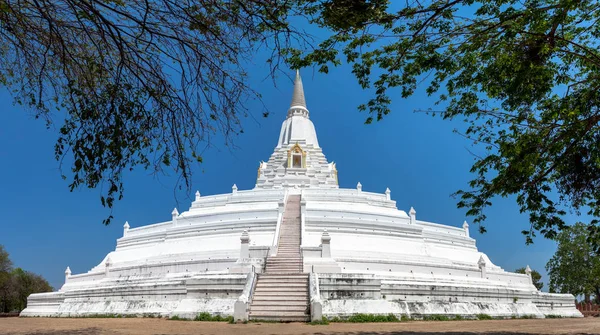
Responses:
[297,152]
[298,99]
[297,127]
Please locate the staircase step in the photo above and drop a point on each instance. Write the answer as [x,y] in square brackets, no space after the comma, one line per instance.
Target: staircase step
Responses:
[283,316]
[291,290]
[280,285]
[281,292]
[280,319]
[276,291]
[284,260]
[279,313]
[280,299]
[282,281]
[272,302]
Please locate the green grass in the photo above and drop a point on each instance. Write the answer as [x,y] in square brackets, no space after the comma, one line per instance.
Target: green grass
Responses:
[484,317]
[323,321]
[177,318]
[205,316]
[367,318]
[554,316]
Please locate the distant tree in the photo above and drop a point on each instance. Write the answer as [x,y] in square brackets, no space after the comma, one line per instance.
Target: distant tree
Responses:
[5,280]
[522,74]
[24,283]
[575,267]
[138,83]
[16,285]
[536,277]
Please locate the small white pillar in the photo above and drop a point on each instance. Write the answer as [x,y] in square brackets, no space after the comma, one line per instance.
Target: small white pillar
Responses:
[174,215]
[197,195]
[413,216]
[466,228]
[234,189]
[482,268]
[325,244]
[107,266]
[388,193]
[67,274]
[125,228]
[359,187]
[244,248]
[528,273]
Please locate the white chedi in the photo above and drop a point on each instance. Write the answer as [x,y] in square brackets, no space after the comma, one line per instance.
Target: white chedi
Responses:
[364,255]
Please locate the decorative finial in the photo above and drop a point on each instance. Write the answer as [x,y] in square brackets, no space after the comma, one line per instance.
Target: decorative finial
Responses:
[528,270]
[388,193]
[298,99]
[466,228]
[325,237]
[125,228]
[245,238]
[234,188]
[482,268]
[413,215]
[67,274]
[481,262]
[107,265]
[359,186]
[175,212]
[197,195]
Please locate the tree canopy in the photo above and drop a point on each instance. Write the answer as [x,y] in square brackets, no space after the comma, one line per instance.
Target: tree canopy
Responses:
[522,74]
[17,284]
[575,267]
[137,83]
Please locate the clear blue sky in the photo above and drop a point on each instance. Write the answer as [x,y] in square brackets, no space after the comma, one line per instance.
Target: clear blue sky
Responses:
[45,227]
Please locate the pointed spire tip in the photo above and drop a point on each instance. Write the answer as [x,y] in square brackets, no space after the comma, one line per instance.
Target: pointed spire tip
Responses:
[298,99]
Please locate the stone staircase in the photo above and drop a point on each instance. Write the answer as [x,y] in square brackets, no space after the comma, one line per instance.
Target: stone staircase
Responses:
[281,293]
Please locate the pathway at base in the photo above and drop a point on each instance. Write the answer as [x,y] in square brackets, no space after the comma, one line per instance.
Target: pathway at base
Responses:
[56,326]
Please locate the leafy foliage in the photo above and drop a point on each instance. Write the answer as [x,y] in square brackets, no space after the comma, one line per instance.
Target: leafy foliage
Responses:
[575,267]
[523,74]
[484,317]
[140,83]
[16,285]
[536,277]
[205,316]
[362,318]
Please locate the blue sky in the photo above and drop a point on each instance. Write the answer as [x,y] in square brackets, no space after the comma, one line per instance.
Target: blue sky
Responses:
[46,228]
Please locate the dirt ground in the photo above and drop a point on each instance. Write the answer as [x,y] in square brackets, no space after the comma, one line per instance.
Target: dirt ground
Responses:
[39,326]
[54,326]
